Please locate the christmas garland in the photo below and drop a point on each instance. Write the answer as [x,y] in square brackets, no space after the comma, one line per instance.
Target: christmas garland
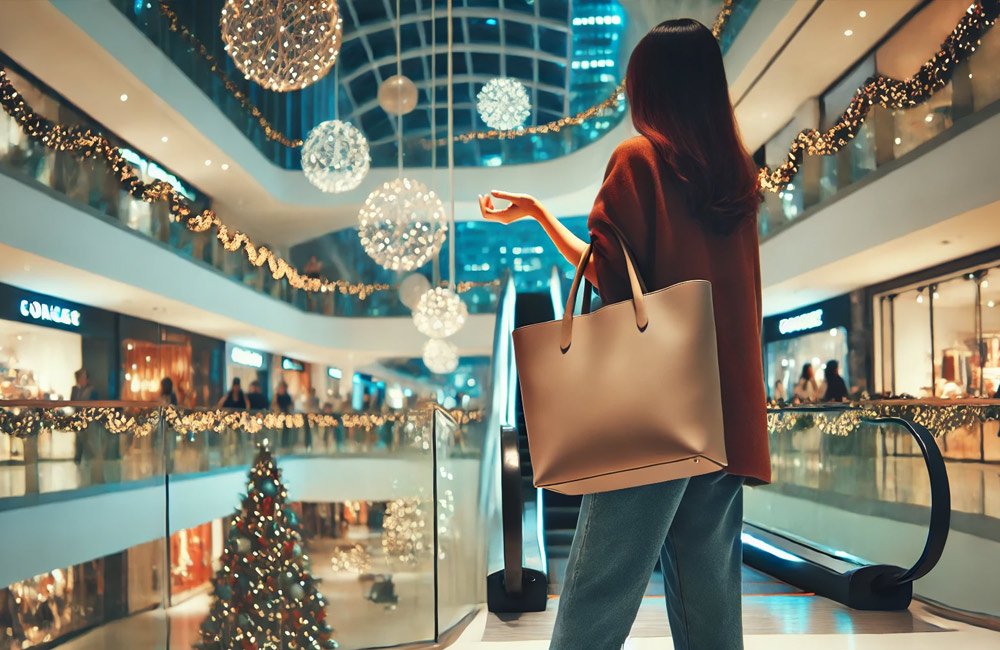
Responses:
[843,420]
[26,422]
[889,93]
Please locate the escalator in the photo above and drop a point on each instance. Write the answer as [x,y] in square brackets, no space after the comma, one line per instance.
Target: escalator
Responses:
[830,480]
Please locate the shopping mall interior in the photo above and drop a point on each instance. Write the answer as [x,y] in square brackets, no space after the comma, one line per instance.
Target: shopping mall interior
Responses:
[258,383]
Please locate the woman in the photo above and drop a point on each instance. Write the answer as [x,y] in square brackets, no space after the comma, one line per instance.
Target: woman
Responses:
[685,196]
[167,395]
[282,400]
[836,389]
[235,398]
[806,389]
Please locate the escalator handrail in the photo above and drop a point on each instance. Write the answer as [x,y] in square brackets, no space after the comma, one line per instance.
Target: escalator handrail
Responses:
[512,508]
[939,524]
[940,519]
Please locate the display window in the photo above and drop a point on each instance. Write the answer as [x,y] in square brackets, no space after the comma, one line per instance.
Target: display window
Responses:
[191,559]
[146,363]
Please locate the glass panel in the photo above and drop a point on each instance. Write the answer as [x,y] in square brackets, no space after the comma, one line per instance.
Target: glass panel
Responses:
[912,361]
[990,306]
[956,341]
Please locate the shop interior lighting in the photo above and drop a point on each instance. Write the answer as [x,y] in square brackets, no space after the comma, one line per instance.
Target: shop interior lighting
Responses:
[760,544]
[848,32]
[208,162]
[862,14]
[225,167]
[164,139]
[123,97]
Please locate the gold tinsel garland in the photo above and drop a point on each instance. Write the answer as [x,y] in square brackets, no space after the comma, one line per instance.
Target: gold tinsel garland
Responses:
[25,422]
[889,93]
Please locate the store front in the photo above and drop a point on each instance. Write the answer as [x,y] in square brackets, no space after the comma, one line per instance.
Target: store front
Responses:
[298,376]
[248,365]
[151,352]
[812,335]
[937,332]
[44,341]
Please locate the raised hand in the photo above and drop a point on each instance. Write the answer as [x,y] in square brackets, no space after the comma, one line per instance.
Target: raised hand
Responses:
[521,206]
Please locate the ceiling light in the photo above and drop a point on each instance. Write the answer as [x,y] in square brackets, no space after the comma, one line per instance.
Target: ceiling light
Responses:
[929,118]
[991,304]
[920,297]
[164,139]
[899,140]
[985,284]
[848,32]
[208,162]
[225,167]
[862,14]
[123,97]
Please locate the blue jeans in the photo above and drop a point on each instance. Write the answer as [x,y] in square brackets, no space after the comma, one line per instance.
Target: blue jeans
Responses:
[694,526]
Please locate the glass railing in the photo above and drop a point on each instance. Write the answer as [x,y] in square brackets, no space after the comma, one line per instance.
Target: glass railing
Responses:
[854,484]
[127,511]
[889,138]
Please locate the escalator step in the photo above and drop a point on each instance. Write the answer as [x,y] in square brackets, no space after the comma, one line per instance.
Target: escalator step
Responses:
[558,538]
[561,517]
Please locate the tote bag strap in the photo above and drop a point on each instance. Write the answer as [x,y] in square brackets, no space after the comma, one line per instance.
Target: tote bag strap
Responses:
[636,283]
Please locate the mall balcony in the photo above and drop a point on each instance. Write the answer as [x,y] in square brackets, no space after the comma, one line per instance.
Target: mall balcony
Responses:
[157,224]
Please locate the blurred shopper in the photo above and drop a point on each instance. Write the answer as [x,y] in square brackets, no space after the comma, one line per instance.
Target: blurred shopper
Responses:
[312,402]
[779,394]
[167,395]
[255,397]
[82,391]
[235,398]
[806,390]
[836,389]
[684,195]
[282,401]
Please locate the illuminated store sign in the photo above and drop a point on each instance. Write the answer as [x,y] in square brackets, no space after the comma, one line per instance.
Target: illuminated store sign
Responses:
[801,323]
[292,364]
[42,311]
[244,357]
[154,171]
[334,373]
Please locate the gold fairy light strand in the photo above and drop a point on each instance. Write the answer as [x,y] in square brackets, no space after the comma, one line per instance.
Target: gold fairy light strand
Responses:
[889,93]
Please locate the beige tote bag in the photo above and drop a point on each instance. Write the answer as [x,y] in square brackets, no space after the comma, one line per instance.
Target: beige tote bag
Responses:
[626,396]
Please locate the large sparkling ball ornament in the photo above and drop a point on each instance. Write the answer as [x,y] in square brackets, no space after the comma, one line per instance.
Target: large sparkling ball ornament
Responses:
[412,288]
[440,313]
[282,44]
[440,356]
[503,103]
[335,156]
[402,224]
[397,95]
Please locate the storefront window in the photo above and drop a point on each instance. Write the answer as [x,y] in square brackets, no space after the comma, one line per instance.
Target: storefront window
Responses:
[990,308]
[786,359]
[911,343]
[956,358]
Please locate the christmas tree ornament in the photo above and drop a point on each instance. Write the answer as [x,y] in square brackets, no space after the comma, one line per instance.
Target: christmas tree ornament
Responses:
[503,103]
[440,313]
[243,545]
[412,288]
[335,156]
[440,356]
[402,224]
[282,45]
[397,95]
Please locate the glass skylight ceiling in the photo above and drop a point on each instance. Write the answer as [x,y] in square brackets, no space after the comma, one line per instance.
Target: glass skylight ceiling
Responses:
[566,52]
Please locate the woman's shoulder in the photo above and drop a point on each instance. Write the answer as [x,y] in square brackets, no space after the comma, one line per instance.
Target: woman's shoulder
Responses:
[636,147]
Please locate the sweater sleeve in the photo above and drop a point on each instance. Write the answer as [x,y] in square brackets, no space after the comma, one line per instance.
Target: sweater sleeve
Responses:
[626,200]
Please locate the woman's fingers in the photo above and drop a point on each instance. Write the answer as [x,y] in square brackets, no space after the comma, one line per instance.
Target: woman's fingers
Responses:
[507,196]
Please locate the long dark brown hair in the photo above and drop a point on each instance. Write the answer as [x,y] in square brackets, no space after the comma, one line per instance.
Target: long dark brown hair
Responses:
[677,90]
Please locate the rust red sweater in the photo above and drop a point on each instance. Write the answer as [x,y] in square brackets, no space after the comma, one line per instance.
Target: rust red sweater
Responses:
[640,196]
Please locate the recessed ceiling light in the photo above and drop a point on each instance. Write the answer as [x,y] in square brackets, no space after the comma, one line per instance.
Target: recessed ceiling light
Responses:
[225,166]
[164,139]
[123,97]
[929,118]
[899,140]
[848,32]
[862,14]
[208,162]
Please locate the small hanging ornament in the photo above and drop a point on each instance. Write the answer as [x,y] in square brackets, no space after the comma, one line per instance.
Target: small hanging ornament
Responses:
[335,156]
[282,45]
[397,95]
[440,356]
[440,313]
[503,103]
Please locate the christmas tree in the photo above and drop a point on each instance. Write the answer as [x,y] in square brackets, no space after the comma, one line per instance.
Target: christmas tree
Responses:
[265,597]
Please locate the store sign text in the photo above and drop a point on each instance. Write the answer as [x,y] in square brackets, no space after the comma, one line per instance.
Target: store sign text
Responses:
[292,364]
[41,311]
[244,357]
[808,321]
[334,373]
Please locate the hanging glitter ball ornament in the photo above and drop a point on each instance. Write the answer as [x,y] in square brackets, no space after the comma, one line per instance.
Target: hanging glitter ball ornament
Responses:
[282,45]
[402,224]
[440,313]
[335,156]
[503,103]
[440,356]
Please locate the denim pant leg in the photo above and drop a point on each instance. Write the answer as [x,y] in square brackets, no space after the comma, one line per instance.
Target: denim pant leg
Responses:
[702,561]
[618,538]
